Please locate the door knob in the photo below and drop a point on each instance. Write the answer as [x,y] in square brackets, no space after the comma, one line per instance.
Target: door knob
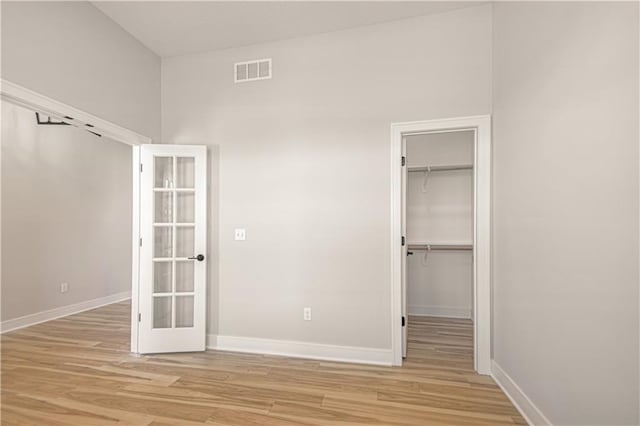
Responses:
[199,257]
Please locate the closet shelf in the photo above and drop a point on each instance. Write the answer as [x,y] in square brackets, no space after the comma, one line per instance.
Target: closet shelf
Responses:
[429,247]
[440,168]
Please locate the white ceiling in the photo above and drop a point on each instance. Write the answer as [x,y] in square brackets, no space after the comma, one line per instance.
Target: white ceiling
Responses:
[171,28]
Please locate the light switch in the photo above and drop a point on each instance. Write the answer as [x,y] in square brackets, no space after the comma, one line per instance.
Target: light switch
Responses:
[241,234]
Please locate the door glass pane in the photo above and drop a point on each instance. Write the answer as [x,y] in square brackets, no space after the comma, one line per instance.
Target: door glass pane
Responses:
[184,276]
[185,175]
[164,172]
[185,207]
[185,246]
[184,311]
[162,277]
[162,241]
[164,207]
[162,312]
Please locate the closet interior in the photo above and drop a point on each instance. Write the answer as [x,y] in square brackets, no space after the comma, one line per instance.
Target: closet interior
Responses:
[439,230]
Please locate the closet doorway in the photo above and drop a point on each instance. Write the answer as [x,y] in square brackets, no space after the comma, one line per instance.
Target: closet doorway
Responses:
[440,234]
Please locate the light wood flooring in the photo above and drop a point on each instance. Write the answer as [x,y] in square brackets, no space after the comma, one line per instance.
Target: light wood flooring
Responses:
[78,371]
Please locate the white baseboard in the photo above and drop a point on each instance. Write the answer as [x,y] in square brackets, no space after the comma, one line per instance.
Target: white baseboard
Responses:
[301,349]
[38,317]
[439,311]
[527,408]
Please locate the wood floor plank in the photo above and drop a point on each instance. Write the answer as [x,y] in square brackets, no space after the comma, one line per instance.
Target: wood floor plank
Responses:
[78,371]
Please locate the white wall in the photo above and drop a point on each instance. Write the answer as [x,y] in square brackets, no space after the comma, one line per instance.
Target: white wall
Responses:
[66,215]
[565,219]
[73,53]
[302,162]
[440,283]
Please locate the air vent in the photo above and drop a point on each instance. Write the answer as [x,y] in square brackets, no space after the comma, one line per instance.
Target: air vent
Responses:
[259,69]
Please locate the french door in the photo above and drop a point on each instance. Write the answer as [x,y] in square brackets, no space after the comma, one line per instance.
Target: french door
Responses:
[173,258]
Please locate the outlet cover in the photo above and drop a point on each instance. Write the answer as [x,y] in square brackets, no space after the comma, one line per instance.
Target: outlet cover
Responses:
[240,234]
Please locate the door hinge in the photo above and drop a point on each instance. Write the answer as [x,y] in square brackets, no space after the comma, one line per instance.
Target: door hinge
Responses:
[402,241]
[139,317]
[404,160]
[404,321]
[140,167]
[140,242]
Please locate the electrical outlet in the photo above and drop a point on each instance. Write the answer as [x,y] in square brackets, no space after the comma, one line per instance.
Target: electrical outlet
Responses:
[64,287]
[307,314]
[240,234]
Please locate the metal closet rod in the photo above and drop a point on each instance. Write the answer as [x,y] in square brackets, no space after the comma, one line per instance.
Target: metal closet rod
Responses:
[440,247]
[440,168]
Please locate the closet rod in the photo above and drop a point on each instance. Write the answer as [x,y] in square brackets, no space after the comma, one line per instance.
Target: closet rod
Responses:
[440,168]
[440,247]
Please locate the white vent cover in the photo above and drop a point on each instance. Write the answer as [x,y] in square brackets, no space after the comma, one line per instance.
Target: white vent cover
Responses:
[259,69]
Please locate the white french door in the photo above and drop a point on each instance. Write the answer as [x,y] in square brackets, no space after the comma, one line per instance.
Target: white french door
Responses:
[173,258]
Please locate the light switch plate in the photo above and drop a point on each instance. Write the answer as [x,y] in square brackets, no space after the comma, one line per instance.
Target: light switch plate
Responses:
[240,234]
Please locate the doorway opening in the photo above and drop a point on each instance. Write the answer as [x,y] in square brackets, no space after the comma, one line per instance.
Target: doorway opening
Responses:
[441,236]
[167,228]
[45,120]
[439,194]
[66,213]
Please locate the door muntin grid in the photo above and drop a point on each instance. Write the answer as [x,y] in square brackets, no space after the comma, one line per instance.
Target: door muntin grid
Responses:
[173,242]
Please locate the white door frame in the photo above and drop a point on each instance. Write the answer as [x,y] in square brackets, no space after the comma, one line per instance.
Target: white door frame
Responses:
[34,101]
[481,238]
